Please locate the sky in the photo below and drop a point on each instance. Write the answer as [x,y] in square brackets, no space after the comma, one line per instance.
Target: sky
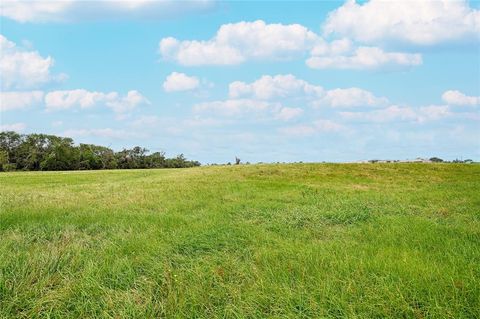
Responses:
[271,81]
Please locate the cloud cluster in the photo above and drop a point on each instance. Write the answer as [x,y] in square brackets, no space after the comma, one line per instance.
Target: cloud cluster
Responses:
[238,42]
[266,98]
[363,58]
[22,69]
[234,43]
[377,23]
[58,100]
[284,86]
[395,113]
[67,99]
[278,86]
[318,126]
[20,100]
[180,82]
[81,10]
[236,107]
[454,97]
[415,22]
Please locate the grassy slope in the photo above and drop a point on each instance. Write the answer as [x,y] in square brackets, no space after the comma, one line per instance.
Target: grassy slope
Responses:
[311,240]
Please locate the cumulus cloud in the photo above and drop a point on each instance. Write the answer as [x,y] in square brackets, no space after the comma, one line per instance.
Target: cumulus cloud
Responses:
[351,97]
[278,86]
[236,107]
[20,100]
[22,69]
[417,22]
[180,82]
[288,86]
[80,10]
[58,100]
[395,113]
[318,126]
[236,42]
[363,58]
[454,97]
[17,127]
[127,103]
[288,113]
[433,112]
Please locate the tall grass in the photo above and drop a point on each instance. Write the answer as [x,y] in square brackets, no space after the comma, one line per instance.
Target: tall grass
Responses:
[254,241]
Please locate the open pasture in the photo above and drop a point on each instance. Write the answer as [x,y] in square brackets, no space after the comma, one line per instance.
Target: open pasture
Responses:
[247,241]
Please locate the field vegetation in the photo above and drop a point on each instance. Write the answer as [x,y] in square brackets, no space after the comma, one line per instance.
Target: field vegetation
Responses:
[243,241]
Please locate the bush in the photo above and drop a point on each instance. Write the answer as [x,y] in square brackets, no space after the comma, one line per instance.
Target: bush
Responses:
[9,167]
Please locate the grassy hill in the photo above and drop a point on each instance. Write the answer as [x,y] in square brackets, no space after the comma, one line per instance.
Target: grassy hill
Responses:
[256,241]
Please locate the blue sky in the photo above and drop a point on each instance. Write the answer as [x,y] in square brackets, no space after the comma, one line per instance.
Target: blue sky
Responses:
[264,81]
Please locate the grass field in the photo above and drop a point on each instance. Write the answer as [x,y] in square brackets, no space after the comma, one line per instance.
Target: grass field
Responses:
[253,241]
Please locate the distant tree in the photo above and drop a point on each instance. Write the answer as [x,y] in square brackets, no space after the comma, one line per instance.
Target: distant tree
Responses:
[3,159]
[156,160]
[60,155]
[436,160]
[33,151]
[10,142]
[50,152]
[237,161]
[89,158]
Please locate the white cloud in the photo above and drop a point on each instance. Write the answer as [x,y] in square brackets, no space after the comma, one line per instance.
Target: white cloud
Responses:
[180,82]
[395,113]
[199,52]
[236,107]
[127,103]
[328,126]
[58,100]
[203,122]
[453,97]
[288,86]
[17,127]
[351,97]
[391,113]
[236,42]
[363,58]
[335,47]
[288,113]
[23,69]
[433,112]
[318,126]
[423,22]
[20,100]
[78,10]
[298,130]
[278,86]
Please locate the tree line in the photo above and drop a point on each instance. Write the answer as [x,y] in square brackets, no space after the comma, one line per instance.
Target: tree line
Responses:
[42,152]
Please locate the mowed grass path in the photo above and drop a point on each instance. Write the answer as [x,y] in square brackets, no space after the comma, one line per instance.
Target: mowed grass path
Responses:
[253,241]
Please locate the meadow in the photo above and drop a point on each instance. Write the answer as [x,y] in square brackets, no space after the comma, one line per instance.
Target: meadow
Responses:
[246,241]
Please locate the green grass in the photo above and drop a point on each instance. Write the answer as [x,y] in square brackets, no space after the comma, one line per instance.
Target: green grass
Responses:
[254,241]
